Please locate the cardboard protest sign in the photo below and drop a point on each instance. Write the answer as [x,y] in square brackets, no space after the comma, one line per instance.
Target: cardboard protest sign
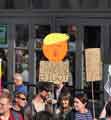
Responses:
[55,72]
[93,64]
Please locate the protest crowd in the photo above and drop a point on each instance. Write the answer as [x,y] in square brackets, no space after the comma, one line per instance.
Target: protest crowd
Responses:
[47,104]
[54,98]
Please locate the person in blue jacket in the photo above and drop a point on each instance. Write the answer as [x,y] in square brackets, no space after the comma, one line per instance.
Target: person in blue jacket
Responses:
[19,85]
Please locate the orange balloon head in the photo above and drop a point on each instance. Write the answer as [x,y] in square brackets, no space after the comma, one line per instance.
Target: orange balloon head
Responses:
[55,46]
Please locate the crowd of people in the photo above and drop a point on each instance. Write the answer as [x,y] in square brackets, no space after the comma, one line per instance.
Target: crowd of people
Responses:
[60,104]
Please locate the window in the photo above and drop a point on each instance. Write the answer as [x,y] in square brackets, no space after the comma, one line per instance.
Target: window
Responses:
[89,4]
[65,4]
[71,30]
[4,52]
[40,32]
[92,39]
[3,56]
[109,3]
[40,4]
[107,57]
[21,35]
[14,4]
[21,50]
[3,35]
[9,4]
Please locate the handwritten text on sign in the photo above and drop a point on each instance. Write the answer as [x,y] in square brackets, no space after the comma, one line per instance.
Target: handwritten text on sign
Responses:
[54,72]
[93,64]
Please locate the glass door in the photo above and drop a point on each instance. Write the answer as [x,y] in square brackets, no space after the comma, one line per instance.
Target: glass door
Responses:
[21,50]
[4,52]
[83,36]
[93,66]
[40,32]
[71,30]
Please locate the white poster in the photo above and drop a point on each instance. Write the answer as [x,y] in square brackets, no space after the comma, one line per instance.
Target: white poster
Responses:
[107,86]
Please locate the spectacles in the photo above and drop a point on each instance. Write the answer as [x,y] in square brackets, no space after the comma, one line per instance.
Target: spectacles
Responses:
[21,98]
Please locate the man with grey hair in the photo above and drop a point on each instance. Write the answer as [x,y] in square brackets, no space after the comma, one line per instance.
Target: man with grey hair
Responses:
[19,85]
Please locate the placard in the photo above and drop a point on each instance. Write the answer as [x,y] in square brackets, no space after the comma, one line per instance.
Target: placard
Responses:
[55,72]
[93,64]
[107,86]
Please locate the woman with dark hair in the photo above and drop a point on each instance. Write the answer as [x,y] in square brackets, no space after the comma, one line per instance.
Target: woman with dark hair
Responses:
[64,106]
[81,112]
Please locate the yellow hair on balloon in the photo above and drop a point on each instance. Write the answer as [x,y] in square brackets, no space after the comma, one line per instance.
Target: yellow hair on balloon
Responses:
[54,38]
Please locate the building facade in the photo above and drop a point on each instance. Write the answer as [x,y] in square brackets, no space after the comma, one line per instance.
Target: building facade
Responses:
[23,26]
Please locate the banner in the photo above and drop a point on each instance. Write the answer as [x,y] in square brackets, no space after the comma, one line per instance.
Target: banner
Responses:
[54,72]
[93,64]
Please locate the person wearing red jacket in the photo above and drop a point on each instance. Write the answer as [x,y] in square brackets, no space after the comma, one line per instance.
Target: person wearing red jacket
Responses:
[6,112]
